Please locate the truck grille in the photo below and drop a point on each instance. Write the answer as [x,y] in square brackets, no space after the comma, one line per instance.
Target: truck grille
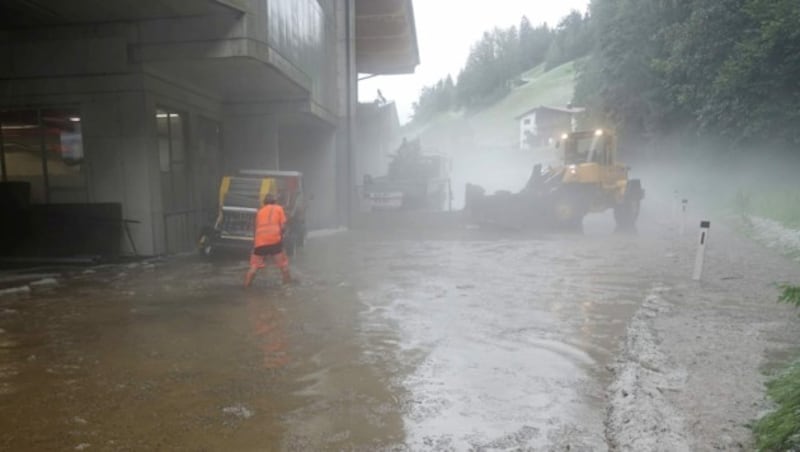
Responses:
[238,223]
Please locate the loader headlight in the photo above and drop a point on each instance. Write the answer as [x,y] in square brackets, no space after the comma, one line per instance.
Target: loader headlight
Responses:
[564,136]
[598,132]
[572,169]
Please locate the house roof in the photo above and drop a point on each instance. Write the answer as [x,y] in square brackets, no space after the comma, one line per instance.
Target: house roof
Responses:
[565,110]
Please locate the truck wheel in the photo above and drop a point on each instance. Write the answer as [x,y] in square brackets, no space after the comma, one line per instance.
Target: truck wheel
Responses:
[204,246]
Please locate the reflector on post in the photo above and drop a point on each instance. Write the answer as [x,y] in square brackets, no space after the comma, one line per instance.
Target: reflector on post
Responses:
[705,226]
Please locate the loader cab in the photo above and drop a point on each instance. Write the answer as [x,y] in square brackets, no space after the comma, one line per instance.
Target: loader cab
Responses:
[590,157]
[596,146]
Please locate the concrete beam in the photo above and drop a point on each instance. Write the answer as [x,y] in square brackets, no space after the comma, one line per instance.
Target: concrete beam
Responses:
[236,5]
[386,37]
[28,13]
[220,49]
[295,111]
[372,8]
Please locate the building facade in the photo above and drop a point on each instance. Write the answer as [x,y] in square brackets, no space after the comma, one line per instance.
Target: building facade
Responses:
[147,103]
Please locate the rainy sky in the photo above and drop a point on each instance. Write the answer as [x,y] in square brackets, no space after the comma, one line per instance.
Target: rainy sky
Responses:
[446,29]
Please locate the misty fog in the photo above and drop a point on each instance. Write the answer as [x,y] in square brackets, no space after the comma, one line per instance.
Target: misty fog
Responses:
[398,225]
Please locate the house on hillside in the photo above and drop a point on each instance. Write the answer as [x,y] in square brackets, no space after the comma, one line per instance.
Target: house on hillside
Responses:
[539,125]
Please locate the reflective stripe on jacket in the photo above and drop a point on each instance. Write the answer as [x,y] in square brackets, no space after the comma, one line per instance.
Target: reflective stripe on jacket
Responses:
[269,223]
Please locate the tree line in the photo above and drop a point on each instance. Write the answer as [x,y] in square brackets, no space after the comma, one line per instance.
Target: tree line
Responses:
[726,69]
[499,57]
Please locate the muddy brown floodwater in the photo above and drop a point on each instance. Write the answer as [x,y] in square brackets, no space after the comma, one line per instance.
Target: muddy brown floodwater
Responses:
[431,338]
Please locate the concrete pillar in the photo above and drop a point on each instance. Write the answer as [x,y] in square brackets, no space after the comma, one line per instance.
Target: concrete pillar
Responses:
[347,80]
[119,169]
[313,151]
[325,211]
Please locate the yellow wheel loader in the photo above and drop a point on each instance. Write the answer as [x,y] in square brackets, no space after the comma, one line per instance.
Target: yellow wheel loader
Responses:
[589,180]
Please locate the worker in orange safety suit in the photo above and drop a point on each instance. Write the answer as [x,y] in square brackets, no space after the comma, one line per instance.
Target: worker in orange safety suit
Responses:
[268,240]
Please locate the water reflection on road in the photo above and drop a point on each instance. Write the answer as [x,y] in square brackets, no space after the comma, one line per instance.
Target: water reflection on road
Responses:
[267,325]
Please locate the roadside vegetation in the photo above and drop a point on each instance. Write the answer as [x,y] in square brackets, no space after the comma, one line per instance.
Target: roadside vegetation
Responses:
[782,206]
[721,69]
[791,295]
[771,218]
[779,430]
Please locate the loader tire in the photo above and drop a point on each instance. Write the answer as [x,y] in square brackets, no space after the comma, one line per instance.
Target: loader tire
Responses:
[626,213]
[568,211]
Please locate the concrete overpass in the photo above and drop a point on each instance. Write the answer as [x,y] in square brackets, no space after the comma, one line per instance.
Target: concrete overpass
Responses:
[146,103]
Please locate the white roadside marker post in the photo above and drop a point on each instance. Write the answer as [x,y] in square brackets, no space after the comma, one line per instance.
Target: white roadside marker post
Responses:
[684,205]
[701,250]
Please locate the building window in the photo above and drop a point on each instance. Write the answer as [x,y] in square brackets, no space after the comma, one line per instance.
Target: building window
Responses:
[181,218]
[44,148]
[172,158]
[527,121]
[170,140]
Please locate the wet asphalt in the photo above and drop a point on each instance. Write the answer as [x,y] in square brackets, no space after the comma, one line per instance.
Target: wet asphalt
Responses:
[398,336]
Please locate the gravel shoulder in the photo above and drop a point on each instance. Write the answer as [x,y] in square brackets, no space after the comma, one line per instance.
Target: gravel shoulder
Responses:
[692,368]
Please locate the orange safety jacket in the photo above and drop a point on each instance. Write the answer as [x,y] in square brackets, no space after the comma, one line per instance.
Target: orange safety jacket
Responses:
[270,220]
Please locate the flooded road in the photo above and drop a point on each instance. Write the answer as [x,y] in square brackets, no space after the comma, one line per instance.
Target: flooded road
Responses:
[510,338]
[392,340]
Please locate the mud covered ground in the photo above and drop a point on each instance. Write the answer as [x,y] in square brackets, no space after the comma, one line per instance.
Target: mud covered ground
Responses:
[406,334]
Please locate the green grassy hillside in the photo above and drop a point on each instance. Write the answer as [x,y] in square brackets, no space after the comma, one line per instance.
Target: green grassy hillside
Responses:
[497,123]
[496,126]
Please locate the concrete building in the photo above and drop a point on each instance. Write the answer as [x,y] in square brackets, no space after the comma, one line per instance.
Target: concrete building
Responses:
[144,104]
[539,125]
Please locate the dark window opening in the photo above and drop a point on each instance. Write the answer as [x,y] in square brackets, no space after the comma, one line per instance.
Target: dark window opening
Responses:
[44,148]
[181,217]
